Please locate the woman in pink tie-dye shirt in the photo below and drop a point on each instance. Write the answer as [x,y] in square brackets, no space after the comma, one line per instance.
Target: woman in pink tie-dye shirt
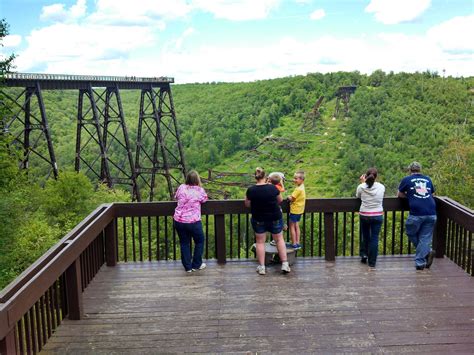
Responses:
[187,221]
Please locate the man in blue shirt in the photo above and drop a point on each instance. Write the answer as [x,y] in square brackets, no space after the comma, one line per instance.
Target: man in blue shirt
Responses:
[421,220]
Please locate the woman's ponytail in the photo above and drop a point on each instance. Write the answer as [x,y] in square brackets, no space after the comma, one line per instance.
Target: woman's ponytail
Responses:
[259,173]
[370,177]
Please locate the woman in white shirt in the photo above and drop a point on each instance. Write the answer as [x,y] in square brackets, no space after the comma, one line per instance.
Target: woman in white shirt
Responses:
[371,216]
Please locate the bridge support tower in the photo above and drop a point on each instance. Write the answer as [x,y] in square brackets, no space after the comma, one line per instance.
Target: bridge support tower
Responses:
[164,157]
[343,93]
[24,120]
[102,141]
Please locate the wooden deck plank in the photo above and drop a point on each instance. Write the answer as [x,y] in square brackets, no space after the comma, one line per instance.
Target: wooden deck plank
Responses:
[320,306]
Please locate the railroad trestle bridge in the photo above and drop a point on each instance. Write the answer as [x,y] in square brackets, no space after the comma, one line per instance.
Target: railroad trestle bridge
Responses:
[104,149]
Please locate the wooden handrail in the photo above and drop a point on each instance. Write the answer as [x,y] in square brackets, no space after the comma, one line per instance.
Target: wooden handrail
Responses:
[460,214]
[214,207]
[34,268]
[23,293]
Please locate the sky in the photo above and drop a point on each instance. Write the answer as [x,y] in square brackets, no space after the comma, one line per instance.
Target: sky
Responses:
[239,40]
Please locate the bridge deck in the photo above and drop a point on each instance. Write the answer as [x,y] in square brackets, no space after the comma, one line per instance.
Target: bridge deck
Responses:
[319,307]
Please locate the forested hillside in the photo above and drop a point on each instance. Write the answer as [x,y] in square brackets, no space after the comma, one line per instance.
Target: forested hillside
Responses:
[393,119]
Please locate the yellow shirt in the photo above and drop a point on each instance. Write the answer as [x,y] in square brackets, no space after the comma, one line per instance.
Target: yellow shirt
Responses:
[299,195]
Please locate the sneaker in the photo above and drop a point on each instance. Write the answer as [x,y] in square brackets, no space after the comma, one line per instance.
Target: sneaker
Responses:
[363,260]
[189,270]
[285,267]
[273,243]
[261,269]
[371,267]
[202,267]
[420,267]
[429,258]
[296,246]
[289,245]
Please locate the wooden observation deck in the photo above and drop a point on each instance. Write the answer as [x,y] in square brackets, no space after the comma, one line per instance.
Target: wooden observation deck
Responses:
[115,284]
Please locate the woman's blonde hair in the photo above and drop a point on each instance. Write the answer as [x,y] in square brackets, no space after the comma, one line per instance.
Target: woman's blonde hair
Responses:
[193,179]
[259,173]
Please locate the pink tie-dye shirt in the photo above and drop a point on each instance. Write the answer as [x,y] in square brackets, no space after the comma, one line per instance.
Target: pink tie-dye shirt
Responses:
[189,203]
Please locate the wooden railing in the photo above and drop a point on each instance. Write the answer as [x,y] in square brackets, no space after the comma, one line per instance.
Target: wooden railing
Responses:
[330,228]
[33,306]
[454,230]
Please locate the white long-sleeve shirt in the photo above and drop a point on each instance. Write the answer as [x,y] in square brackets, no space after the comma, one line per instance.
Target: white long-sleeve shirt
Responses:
[372,199]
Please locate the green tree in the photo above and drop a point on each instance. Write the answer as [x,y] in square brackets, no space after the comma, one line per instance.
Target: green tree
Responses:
[7,63]
[453,172]
[376,78]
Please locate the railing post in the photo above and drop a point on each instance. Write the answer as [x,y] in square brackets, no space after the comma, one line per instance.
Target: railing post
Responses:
[329,244]
[8,344]
[471,260]
[220,237]
[440,234]
[74,290]
[110,244]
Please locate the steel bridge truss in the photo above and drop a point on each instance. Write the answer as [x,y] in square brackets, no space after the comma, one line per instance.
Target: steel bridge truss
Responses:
[102,141]
[344,93]
[159,153]
[103,148]
[24,120]
[312,116]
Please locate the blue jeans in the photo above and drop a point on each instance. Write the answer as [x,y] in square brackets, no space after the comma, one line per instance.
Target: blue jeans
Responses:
[295,218]
[186,231]
[420,232]
[369,244]
[273,227]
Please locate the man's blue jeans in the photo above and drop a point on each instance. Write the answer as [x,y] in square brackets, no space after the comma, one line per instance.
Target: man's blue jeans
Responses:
[369,244]
[186,232]
[420,232]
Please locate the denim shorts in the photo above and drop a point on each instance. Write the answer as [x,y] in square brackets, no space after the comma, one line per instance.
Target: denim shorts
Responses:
[295,218]
[273,227]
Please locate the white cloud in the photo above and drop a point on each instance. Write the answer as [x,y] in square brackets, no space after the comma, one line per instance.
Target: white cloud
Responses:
[79,9]
[11,41]
[130,44]
[58,12]
[138,12]
[237,10]
[188,32]
[55,12]
[289,56]
[317,14]
[392,12]
[454,35]
[148,11]
[63,45]
[292,56]
[156,13]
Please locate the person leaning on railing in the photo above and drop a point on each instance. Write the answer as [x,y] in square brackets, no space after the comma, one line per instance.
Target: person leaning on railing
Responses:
[187,221]
[419,190]
[371,216]
[264,201]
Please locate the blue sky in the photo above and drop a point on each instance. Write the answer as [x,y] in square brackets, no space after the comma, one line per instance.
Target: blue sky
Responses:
[239,40]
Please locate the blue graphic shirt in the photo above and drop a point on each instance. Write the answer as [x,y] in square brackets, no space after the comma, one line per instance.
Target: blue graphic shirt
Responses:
[419,190]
